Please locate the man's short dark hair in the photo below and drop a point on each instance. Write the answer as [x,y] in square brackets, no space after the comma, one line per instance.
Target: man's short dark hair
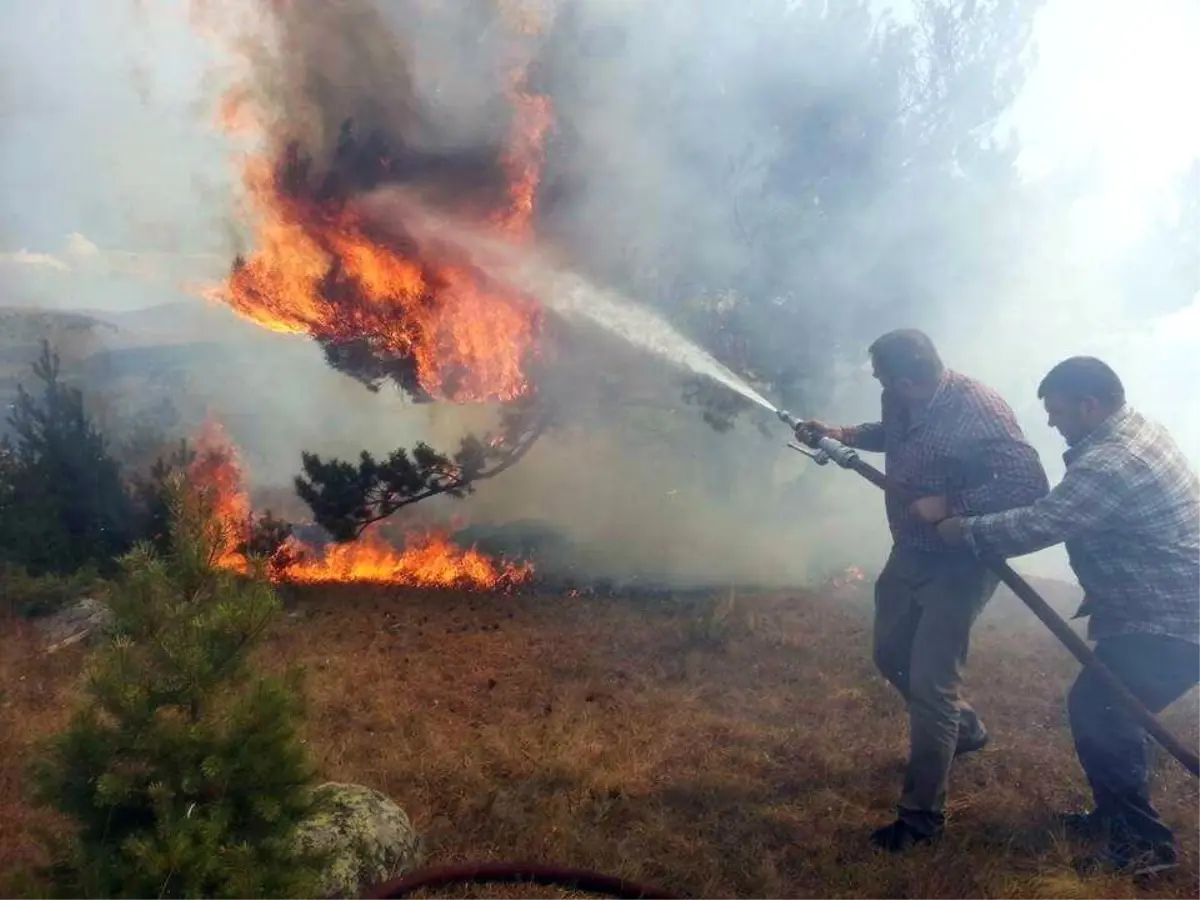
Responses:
[907,353]
[1081,377]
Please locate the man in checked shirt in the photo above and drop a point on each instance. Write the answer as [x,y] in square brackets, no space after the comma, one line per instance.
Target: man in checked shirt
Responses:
[952,447]
[1128,509]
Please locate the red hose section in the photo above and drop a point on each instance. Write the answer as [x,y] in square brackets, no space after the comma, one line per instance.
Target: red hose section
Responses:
[520,873]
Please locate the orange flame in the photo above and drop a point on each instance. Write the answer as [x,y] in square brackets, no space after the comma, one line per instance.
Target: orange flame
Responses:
[318,270]
[468,346]
[216,472]
[852,575]
[429,560]
[523,162]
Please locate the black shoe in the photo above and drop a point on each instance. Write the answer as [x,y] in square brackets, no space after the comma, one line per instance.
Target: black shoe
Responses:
[900,836]
[1137,860]
[971,744]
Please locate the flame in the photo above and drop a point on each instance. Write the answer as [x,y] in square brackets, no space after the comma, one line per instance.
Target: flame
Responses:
[429,559]
[533,117]
[468,343]
[317,268]
[852,575]
[523,162]
[216,472]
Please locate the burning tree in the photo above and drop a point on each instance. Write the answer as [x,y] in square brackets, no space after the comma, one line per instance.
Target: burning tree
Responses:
[824,231]
[385,303]
[244,535]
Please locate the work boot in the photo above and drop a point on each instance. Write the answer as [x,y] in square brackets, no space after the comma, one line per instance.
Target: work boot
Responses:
[900,836]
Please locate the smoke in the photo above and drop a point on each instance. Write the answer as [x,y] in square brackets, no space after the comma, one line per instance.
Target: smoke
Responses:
[784,181]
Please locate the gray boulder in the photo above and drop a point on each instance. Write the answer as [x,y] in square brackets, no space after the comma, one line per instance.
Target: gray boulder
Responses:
[369,837]
[85,620]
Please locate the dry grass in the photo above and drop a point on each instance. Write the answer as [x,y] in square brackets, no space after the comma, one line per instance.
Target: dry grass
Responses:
[739,748]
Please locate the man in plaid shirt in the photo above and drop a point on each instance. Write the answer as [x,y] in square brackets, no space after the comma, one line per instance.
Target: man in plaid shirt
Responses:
[952,447]
[1128,509]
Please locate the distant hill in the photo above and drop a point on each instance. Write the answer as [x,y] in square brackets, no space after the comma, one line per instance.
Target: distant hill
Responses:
[75,335]
[22,331]
[135,359]
[275,394]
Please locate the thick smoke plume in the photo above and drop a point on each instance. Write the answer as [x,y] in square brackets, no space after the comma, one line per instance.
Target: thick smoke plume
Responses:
[767,208]
[783,181]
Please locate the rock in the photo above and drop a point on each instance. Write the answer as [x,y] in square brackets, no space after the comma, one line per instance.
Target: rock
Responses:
[371,838]
[85,619]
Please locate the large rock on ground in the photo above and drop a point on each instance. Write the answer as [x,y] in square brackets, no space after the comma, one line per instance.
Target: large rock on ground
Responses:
[85,620]
[370,838]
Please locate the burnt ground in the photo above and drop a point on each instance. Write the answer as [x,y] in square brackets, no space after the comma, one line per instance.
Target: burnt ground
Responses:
[714,747]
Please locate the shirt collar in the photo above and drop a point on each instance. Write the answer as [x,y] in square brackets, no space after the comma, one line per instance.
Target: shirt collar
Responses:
[942,389]
[1101,432]
[940,393]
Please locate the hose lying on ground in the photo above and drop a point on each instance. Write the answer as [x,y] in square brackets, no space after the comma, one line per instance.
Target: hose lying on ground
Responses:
[516,873]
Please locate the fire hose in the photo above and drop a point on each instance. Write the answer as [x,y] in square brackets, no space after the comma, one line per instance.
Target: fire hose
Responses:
[823,449]
[517,873]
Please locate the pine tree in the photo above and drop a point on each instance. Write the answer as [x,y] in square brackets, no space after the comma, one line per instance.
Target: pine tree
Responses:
[346,499]
[63,505]
[183,771]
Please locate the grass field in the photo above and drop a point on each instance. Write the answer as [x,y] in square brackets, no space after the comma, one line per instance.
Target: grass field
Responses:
[718,748]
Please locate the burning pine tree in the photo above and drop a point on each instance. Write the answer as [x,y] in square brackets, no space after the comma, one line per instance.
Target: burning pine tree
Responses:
[384,303]
[429,558]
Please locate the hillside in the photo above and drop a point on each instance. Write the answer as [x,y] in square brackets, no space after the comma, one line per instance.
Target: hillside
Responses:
[717,750]
[275,395]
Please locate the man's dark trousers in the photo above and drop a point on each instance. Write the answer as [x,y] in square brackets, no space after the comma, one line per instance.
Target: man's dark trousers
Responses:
[1111,746]
[925,605]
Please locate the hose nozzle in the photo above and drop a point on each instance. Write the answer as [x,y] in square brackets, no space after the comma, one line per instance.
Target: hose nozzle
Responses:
[818,447]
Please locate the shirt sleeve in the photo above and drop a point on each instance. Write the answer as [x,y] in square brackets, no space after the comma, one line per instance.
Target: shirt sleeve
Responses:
[1086,499]
[868,436]
[1014,477]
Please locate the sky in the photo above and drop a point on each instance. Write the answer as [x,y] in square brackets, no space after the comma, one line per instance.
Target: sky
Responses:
[1110,89]
[83,89]
[1114,87]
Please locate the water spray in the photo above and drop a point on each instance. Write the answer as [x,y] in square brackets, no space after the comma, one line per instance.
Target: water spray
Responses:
[821,449]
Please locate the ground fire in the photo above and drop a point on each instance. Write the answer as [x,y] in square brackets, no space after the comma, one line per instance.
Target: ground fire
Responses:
[429,559]
[388,305]
[852,575]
